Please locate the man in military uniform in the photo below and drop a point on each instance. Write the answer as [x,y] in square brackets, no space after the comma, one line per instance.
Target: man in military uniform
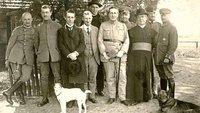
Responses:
[113,42]
[166,46]
[20,56]
[124,17]
[48,54]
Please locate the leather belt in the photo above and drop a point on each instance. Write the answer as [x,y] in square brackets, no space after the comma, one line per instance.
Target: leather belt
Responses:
[141,46]
[113,40]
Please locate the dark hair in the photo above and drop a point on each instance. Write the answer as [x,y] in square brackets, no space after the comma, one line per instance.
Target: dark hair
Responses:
[46,7]
[70,11]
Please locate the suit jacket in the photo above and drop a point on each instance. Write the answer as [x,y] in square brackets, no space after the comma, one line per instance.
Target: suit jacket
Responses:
[94,36]
[68,42]
[46,36]
[20,47]
[166,44]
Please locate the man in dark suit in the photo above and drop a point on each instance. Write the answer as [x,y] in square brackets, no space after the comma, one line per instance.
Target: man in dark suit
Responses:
[94,6]
[91,52]
[71,44]
[20,56]
[166,46]
[48,54]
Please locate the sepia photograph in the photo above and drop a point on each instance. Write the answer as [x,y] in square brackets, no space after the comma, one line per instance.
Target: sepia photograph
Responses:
[99,56]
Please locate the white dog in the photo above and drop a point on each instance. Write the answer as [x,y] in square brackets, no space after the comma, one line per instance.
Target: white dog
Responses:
[65,95]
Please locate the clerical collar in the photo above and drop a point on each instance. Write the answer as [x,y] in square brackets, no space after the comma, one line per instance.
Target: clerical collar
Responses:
[142,26]
[67,25]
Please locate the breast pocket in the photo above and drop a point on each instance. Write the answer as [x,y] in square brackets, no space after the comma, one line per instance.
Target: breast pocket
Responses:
[121,31]
[106,33]
[164,39]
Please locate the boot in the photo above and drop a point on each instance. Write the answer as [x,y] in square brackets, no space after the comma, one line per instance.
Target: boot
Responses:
[10,91]
[171,87]
[163,84]
[21,96]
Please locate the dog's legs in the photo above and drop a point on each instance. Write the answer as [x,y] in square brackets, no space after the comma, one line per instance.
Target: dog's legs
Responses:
[63,106]
[85,107]
[79,106]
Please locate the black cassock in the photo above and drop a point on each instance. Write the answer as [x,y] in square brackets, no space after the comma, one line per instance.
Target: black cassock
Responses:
[139,86]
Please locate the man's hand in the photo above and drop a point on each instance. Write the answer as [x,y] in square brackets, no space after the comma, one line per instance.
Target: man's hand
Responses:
[72,56]
[120,54]
[166,61]
[7,63]
[106,56]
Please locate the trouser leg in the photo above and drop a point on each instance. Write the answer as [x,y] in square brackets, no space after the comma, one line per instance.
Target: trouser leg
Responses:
[171,87]
[45,69]
[122,81]
[100,78]
[110,78]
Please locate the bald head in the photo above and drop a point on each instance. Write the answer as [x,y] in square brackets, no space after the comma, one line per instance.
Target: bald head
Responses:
[27,19]
[87,18]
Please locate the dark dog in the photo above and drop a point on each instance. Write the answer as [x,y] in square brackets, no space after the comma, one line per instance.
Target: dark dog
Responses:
[171,105]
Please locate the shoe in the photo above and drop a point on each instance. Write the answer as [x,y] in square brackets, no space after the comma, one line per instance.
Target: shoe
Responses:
[70,104]
[125,102]
[110,100]
[92,100]
[100,93]
[8,98]
[44,102]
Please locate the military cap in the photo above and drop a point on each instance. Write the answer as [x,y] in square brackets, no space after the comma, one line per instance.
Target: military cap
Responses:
[125,11]
[165,11]
[150,9]
[94,2]
[74,67]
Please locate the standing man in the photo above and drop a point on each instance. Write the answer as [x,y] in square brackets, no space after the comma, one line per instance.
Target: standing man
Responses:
[156,26]
[47,51]
[125,16]
[20,56]
[96,21]
[113,42]
[91,52]
[72,45]
[139,85]
[166,46]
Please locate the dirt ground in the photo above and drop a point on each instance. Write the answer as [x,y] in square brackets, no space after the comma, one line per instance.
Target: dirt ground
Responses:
[187,77]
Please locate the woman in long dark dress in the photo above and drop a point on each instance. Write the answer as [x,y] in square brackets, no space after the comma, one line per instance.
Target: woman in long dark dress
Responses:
[139,88]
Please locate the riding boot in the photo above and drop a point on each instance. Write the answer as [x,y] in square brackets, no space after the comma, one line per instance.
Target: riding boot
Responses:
[171,87]
[10,91]
[21,96]
[163,84]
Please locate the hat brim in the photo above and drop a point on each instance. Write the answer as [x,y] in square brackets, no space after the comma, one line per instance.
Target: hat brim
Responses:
[141,14]
[90,3]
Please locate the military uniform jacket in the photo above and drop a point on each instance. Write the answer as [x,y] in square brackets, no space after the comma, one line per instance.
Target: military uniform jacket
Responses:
[46,36]
[20,48]
[166,44]
[113,37]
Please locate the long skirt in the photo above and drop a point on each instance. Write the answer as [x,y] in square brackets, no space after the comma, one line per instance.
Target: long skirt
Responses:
[139,85]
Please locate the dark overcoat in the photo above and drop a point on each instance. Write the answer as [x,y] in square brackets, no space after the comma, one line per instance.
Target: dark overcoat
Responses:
[68,42]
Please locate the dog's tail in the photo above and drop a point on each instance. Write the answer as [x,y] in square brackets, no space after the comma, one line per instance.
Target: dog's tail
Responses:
[87,91]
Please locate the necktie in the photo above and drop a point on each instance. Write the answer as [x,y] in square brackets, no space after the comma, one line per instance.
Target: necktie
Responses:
[88,31]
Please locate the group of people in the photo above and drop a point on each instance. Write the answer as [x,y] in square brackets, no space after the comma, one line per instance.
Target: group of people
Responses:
[129,54]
